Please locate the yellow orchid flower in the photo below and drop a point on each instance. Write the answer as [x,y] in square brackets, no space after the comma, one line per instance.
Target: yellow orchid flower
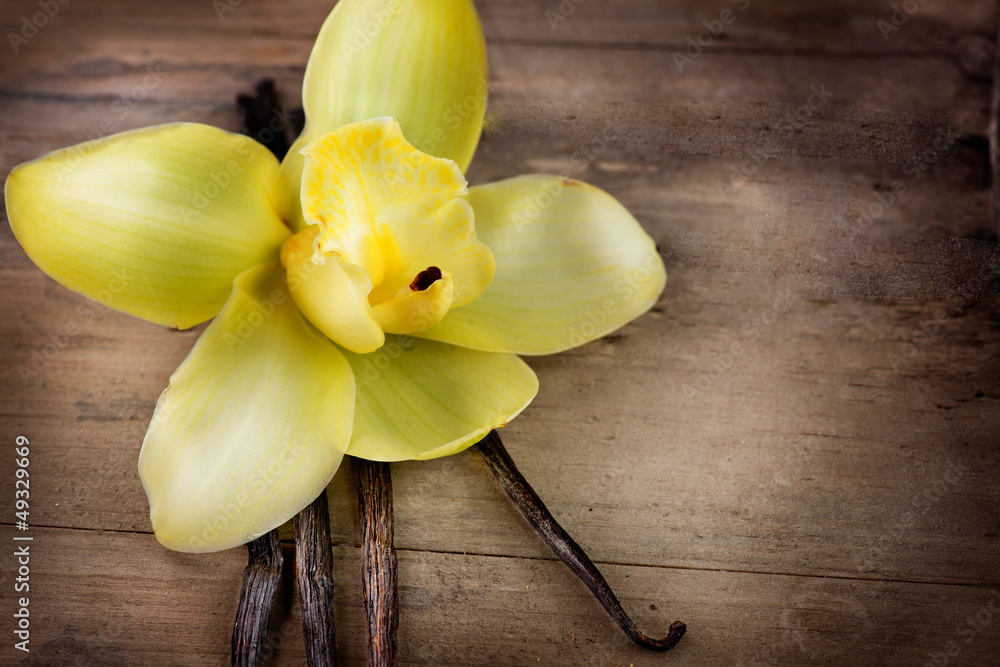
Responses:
[365,300]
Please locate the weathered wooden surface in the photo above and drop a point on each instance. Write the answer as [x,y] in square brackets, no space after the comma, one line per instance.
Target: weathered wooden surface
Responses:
[795,452]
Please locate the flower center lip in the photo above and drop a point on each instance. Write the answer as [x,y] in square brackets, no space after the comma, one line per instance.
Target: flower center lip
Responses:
[425,279]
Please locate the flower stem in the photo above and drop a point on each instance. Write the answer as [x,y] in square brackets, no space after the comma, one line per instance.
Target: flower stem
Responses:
[314,574]
[378,560]
[253,614]
[563,546]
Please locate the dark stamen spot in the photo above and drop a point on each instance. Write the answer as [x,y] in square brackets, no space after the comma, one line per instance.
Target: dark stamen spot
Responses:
[425,279]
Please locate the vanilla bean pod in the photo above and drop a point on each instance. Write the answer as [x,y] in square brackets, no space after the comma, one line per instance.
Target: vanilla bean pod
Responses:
[253,614]
[378,560]
[562,545]
[262,118]
[314,574]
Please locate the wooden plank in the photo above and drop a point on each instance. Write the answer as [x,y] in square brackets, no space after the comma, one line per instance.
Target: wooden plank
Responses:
[794,452]
[816,414]
[753,102]
[845,27]
[848,27]
[83,54]
[456,609]
[138,73]
[761,131]
[98,606]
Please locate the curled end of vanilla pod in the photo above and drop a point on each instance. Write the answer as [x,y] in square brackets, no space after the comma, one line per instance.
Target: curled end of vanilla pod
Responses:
[562,545]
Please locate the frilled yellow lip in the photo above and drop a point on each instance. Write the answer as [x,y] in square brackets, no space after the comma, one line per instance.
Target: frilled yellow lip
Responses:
[384,218]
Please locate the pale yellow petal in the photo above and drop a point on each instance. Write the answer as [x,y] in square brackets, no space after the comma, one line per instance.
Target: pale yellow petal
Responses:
[155,222]
[421,399]
[423,63]
[332,295]
[253,425]
[572,265]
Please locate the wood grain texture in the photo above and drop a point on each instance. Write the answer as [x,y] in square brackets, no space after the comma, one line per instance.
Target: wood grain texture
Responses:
[795,451]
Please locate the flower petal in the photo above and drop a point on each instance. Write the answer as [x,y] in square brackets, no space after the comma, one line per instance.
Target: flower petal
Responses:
[382,215]
[155,222]
[253,425]
[391,209]
[572,265]
[421,399]
[333,295]
[423,63]
[416,310]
